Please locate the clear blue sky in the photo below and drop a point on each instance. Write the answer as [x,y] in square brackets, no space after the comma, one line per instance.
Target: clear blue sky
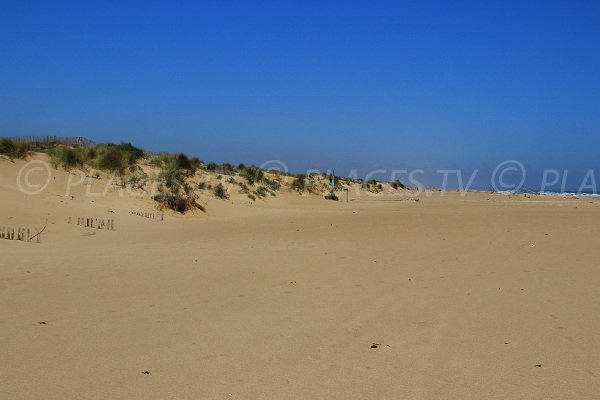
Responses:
[432,84]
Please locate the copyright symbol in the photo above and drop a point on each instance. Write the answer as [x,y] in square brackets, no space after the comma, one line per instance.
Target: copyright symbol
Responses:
[506,174]
[271,165]
[31,174]
[274,165]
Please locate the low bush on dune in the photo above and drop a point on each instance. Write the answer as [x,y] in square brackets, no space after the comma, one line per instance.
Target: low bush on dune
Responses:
[180,198]
[252,174]
[256,176]
[203,185]
[220,192]
[261,191]
[112,160]
[137,179]
[299,184]
[118,158]
[272,185]
[160,159]
[13,149]
[397,185]
[243,188]
[175,168]
[131,153]
[227,169]
[109,157]
[221,169]
[170,163]
[171,201]
[69,157]
[331,196]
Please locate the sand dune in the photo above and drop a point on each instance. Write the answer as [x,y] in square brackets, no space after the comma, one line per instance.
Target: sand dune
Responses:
[451,297]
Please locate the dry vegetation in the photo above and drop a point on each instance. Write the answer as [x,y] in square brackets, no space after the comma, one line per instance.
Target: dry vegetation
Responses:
[182,180]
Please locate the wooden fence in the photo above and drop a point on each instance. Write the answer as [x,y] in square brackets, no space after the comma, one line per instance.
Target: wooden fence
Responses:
[148,215]
[96,223]
[20,233]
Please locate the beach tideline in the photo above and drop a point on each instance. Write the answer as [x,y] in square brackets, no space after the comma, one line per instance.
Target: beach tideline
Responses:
[477,296]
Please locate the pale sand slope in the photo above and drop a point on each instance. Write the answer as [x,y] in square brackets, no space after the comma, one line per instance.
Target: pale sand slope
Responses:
[283,299]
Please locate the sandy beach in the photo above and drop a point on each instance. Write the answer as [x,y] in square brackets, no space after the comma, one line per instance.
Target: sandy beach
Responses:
[294,297]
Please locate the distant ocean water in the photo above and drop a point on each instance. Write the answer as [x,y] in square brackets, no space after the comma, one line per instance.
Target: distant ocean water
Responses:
[543,193]
[567,194]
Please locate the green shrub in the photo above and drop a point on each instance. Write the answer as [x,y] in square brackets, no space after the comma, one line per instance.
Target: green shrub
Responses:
[197,163]
[129,151]
[299,184]
[68,157]
[272,185]
[202,185]
[111,159]
[220,192]
[261,191]
[13,149]
[173,201]
[160,159]
[106,157]
[137,180]
[252,174]
[179,197]
[398,185]
[182,162]
[227,169]
[243,188]
[331,196]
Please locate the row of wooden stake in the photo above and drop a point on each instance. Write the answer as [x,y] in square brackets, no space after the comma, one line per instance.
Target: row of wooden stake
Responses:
[148,215]
[98,223]
[22,234]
